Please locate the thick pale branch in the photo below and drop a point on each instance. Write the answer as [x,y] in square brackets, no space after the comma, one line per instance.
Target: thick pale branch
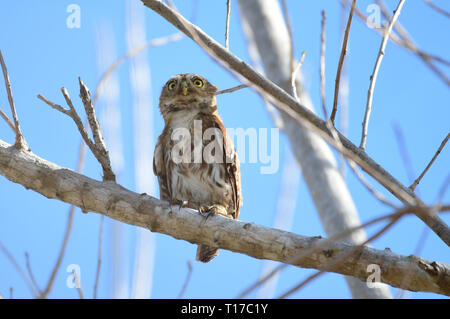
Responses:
[290,105]
[114,201]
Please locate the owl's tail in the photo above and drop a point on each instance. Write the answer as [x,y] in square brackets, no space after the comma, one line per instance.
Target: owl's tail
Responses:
[206,253]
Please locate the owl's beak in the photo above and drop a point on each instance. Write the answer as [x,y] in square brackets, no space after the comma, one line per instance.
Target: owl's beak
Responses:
[184,87]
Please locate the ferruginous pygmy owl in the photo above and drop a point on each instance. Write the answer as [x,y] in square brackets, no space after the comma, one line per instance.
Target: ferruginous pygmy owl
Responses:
[195,160]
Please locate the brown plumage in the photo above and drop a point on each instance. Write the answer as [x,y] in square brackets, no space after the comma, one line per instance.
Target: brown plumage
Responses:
[195,160]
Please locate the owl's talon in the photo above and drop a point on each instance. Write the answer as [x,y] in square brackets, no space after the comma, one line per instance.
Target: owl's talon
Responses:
[213,210]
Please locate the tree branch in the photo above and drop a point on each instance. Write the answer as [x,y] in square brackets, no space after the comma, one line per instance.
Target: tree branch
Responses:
[341,62]
[97,146]
[300,113]
[20,140]
[373,77]
[114,201]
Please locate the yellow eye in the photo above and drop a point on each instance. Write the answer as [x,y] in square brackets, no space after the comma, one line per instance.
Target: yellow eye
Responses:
[198,83]
[171,85]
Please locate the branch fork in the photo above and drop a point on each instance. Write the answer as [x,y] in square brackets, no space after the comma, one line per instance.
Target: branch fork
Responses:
[97,144]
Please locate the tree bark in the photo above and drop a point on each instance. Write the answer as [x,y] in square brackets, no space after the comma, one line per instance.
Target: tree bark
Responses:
[114,201]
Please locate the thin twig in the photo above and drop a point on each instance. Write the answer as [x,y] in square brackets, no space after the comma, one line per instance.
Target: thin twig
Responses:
[101,150]
[30,272]
[227,26]
[153,43]
[409,45]
[341,62]
[99,256]
[188,279]
[98,148]
[19,269]
[373,77]
[417,181]
[78,284]
[322,67]
[20,140]
[401,142]
[8,121]
[233,89]
[291,40]
[438,9]
[294,75]
[369,187]
[61,254]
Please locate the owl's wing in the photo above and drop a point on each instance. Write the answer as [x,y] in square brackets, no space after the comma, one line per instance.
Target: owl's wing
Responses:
[159,169]
[232,167]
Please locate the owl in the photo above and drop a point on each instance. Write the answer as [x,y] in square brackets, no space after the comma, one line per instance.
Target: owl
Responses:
[194,159]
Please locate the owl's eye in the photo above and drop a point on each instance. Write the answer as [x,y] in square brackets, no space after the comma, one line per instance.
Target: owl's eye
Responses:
[171,85]
[198,83]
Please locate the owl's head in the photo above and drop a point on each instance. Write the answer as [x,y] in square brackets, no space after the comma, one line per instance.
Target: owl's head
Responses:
[187,92]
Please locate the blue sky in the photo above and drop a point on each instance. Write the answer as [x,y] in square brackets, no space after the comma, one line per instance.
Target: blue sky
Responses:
[43,55]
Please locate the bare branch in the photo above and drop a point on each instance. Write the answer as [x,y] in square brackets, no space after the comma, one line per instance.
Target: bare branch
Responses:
[114,201]
[99,256]
[51,280]
[294,75]
[373,77]
[298,112]
[30,273]
[409,45]
[188,279]
[20,140]
[103,155]
[153,43]
[19,269]
[227,25]
[322,67]
[8,121]
[291,39]
[438,9]
[341,62]
[233,89]
[369,187]
[97,146]
[417,181]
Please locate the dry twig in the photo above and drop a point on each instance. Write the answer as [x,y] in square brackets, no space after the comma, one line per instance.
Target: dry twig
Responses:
[438,9]
[97,146]
[227,25]
[373,77]
[188,279]
[20,140]
[233,89]
[19,270]
[99,256]
[322,67]
[8,121]
[341,62]
[417,181]
[408,44]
